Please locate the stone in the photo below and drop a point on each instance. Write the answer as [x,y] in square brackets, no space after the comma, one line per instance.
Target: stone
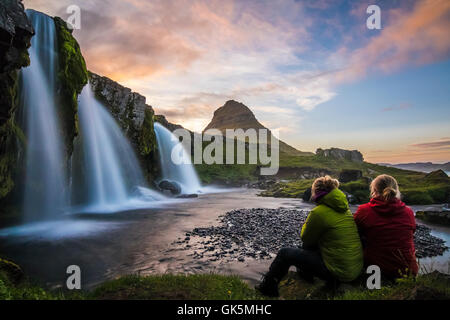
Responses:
[171,186]
[187,196]
[11,270]
[259,233]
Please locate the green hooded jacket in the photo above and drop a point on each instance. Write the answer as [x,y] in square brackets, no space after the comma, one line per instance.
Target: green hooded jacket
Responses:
[331,227]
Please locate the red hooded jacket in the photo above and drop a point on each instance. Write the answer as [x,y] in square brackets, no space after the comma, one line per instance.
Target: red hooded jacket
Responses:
[387,231]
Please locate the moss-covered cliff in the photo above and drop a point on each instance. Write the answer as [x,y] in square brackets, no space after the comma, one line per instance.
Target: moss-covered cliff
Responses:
[15,36]
[72,76]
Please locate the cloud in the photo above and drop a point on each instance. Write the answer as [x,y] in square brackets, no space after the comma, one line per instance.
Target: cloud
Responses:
[441,144]
[189,56]
[411,37]
[401,106]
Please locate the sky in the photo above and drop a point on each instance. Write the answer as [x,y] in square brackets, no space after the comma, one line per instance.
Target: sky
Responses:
[310,70]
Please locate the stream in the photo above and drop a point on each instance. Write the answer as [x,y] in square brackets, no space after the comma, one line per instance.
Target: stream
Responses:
[144,241]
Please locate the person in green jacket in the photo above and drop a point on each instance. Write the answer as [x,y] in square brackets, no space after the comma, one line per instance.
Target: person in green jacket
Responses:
[331,249]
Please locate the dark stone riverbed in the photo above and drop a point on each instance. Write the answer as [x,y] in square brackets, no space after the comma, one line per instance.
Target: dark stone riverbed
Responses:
[259,233]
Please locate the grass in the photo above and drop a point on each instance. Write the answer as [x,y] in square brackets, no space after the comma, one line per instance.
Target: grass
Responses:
[226,173]
[416,187]
[167,286]
[290,189]
[225,287]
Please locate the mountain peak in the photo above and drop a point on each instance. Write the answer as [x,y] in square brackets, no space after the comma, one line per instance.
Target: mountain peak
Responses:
[236,115]
[233,115]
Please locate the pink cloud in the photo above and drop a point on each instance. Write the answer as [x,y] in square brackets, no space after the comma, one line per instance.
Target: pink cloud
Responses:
[416,37]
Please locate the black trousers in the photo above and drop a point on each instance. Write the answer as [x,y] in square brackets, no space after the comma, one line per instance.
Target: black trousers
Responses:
[309,264]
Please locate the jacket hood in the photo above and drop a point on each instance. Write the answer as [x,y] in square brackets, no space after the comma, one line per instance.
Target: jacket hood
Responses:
[336,200]
[383,207]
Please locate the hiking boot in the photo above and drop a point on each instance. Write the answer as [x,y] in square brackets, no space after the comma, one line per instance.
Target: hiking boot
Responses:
[305,276]
[268,287]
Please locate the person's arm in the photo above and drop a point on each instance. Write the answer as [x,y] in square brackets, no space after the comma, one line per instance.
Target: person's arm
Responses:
[312,230]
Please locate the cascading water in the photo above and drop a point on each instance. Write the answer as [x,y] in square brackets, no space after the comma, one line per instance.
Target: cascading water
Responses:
[44,194]
[183,173]
[111,175]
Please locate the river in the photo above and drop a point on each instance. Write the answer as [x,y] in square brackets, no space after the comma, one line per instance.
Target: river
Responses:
[141,241]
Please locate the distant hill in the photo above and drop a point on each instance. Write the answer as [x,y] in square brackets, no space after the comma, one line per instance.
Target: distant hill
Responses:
[235,115]
[420,166]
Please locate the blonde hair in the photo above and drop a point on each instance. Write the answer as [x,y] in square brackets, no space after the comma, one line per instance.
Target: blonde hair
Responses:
[325,184]
[384,187]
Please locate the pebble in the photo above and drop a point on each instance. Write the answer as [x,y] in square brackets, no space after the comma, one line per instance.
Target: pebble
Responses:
[259,233]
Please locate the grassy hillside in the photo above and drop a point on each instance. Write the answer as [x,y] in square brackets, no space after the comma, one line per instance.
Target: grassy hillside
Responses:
[416,187]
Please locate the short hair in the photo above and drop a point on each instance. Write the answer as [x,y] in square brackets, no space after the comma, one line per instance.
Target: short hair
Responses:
[325,184]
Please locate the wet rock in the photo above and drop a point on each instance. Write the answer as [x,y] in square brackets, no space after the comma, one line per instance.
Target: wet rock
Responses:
[185,196]
[259,233]
[171,186]
[253,232]
[426,244]
[13,272]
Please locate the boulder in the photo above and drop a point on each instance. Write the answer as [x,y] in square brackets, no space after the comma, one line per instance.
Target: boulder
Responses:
[307,195]
[11,270]
[171,186]
[348,175]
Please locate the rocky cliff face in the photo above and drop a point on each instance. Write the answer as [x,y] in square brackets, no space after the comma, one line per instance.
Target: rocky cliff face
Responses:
[135,117]
[15,36]
[235,115]
[171,126]
[341,154]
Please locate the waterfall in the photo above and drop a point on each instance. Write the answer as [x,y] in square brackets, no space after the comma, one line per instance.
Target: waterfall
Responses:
[111,175]
[44,190]
[184,173]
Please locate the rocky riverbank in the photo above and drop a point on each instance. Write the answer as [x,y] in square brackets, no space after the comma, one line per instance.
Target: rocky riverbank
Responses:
[259,233]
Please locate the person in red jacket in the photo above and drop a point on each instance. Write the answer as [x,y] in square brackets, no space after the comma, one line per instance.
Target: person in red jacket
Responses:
[386,226]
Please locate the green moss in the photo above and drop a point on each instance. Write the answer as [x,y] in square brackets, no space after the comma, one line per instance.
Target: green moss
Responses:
[147,146]
[147,137]
[291,189]
[72,76]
